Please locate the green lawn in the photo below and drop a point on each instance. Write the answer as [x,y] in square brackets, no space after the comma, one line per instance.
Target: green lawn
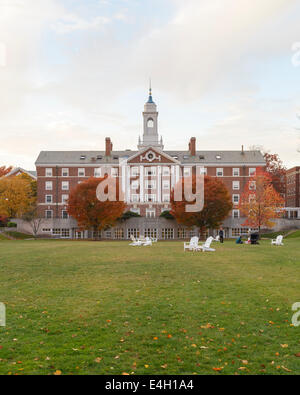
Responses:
[107,308]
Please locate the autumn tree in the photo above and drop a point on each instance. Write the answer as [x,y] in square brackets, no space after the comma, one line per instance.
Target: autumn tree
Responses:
[15,197]
[217,205]
[5,170]
[260,202]
[91,213]
[277,172]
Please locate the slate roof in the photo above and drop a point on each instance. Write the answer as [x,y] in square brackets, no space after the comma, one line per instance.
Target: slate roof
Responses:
[98,157]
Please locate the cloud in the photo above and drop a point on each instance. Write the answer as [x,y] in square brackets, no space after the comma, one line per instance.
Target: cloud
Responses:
[71,23]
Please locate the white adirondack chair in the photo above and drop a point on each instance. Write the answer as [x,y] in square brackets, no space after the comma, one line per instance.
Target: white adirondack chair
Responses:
[217,238]
[192,245]
[148,242]
[135,243]
[278,241]
[153,240]
[206,246]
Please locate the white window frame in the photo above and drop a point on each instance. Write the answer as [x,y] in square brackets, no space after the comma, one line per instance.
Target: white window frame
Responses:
[150,213]
[151,196]
[135,198]
[166,198]
[148,184]
[186,172]
[252,171]
[235,211]
[49,172]
[48,211]
[135,171]
[166,184]
[166,171]
[62,214]
[65,172]
[221,171]
[51,199]
[97,172]
[150,171]
[135,184]
[81,172]
[236,172]
[49,186]
[64,198]
[114,172]
[233,198]
[236,185]
[65,186]
[203,170]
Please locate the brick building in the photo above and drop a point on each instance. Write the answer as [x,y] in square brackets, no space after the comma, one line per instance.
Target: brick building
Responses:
[293,193]
[150,175]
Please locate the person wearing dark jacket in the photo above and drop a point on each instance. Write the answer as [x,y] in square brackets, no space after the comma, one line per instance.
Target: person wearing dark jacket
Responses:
[221,234]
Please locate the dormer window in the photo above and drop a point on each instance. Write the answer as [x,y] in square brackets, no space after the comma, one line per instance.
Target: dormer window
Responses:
[99,157]
[218,157]
[201,157]
[82,157]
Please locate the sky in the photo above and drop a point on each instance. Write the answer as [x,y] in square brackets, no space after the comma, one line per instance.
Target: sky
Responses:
[73,72]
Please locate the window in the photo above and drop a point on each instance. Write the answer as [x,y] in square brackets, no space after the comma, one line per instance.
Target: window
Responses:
[48,172]
[135,198]
[108,234]
[81,172]
[135,184]
[236,185]
[65,185]
[49,214]
[48,199]
[65,233]
[56,232]
[150,198]
[49,185]
[151,233]
[166,198]
[64,214]
[168,233]
[150,123]
[150,184]
[187,172]
[236,172]
[114,172]
[82,157]
[181,233]
[218,157]
[236,213]
[119,233]
[150,213]
[239,231]
[133,232]
[97,172]
[134,171]
[236,199]
[203,170]
[65,172]
[220,172]
[252,171]
[150,171]
[166,171]
[46,230]
[166,184]
[64,199]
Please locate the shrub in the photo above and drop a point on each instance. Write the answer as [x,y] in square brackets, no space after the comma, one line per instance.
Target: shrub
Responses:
[11,225]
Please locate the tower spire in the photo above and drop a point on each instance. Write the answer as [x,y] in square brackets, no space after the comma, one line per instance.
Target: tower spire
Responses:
[150,100]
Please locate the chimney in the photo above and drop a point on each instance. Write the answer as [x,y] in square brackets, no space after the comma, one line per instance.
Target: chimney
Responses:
[243,150]
[108,146]
[192,146]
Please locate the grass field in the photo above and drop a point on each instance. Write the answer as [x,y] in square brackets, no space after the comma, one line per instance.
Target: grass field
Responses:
[107,308]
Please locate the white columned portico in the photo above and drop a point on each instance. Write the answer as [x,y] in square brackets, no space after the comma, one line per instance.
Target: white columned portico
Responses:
[158,176]
[141,184]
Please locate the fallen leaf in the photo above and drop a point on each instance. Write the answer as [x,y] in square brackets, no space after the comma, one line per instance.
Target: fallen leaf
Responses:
[57,373]
[98,360]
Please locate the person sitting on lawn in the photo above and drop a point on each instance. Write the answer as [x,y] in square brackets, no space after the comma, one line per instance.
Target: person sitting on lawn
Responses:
[239,240]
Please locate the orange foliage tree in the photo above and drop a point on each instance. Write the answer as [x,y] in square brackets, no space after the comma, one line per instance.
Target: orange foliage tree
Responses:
[260,202]
[89,212]
[217,205]
[15,197]
[4,170]
[277,172]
